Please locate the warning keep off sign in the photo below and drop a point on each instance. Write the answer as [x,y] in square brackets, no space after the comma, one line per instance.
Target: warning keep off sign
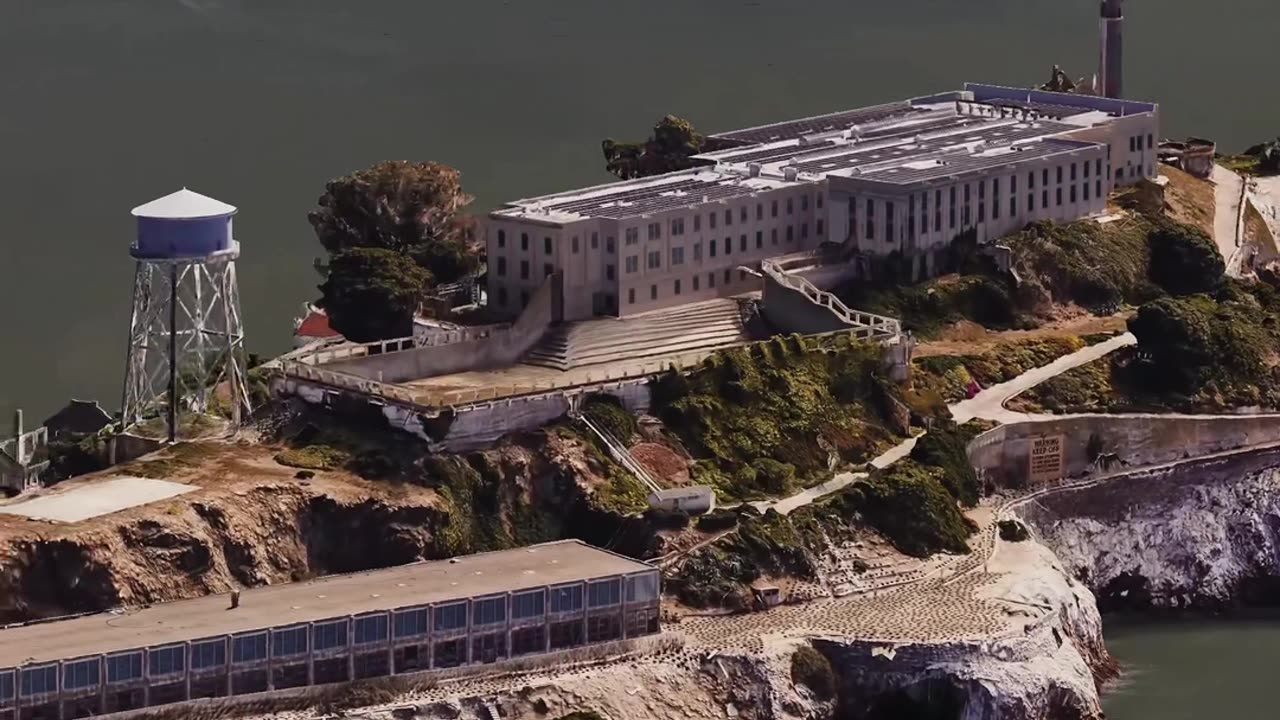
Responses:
[1046,459]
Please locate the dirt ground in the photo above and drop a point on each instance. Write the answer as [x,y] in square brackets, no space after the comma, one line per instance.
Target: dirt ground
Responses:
[969,338]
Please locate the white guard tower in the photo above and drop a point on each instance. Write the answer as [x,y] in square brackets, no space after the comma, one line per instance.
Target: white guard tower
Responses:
[186,340]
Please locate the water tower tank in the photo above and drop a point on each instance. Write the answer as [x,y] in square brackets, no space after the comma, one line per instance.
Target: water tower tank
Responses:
[182,225]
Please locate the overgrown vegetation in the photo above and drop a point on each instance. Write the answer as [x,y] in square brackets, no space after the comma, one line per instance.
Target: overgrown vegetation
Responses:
[811,669]
[313,457]
[1098,267]
[765,418]
[1013,531]
[952,376]
[1260,159]
[927,308]
[607,412]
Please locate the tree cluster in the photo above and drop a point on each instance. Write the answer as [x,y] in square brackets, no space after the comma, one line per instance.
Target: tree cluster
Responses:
[671,147]
[392,232]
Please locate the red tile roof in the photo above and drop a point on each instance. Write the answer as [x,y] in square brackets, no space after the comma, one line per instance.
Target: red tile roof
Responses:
[316,325]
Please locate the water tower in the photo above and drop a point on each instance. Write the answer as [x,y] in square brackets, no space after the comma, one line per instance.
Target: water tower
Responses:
[186,362]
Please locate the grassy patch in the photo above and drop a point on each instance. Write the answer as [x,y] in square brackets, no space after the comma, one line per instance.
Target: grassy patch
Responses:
[1100,267]
[313,457]
[173,460]
[765,418]
[950,376]
[928,307]
[607,412]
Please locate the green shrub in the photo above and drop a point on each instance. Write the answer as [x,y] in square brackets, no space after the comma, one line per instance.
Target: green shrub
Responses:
[1184,260]
[944,448]
[313,457]
[812,669]
[908,504]
[1013,531]
[607,412]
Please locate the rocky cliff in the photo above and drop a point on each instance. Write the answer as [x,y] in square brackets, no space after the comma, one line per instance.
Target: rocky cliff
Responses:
[1201,535]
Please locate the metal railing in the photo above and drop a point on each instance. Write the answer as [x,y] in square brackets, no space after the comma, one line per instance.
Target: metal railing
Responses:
[863,324]
[382,347]
[617,450]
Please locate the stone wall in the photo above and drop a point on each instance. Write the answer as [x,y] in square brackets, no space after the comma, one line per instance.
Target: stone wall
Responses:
[1093,443]
[501,348]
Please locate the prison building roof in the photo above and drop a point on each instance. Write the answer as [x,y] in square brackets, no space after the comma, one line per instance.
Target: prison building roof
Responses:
[336,596]
[636,198]
[960,163]
[830,122]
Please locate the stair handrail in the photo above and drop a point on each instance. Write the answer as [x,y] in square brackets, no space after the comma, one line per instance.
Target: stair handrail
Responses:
[827,300]
[618,451]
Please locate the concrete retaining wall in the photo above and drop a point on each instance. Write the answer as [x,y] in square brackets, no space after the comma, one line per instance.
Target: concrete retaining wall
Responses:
[790,311]
[501,348]
[1003,455]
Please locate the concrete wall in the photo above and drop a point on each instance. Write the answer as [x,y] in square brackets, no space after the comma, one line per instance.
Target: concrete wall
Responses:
[790,311]
[1003,455]
[502,347]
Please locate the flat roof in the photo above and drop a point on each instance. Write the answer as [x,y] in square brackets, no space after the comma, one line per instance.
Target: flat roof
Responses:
[936,129]
[335,596]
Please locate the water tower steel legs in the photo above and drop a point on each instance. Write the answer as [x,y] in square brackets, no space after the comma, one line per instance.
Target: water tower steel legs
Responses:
[186,342]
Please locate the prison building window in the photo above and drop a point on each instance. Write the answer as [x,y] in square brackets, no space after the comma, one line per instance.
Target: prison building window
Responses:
[209,654]
[655,260]
[528,641]
[249,648]
[604,593]
[595,241]
[288,642]
[329,635]
[759,239]
[524,269]
[449,617]
[502,267]
[81,674]
[728,217]
[449,653]
[488,648]
[502,238]
[566,635]
[40,680]
[632,264]
[124,667]
[524,241]
[546,246]
[370,629]
[653,292]
[742,244]
[167,660]
[489,611]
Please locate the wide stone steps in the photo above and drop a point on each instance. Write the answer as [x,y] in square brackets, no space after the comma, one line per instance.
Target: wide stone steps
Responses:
[687,329]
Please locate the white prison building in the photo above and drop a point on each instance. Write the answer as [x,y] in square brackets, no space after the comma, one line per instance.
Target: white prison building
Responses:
[906,176]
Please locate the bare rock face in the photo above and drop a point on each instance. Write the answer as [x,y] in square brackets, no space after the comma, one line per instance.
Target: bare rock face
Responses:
[1203,536]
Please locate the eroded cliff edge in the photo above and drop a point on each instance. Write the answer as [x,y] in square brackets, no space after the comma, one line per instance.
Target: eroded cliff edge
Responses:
[1202,534]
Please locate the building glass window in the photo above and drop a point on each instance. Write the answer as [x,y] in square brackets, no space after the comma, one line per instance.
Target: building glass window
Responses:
[804,202]
[677,256]
[632,236]
[759,211]
[804,231]
[653,292]
[695,283]
[566,599]
[608,271]
[288,642]
[39,680]
[6,686]
[1098,187]
[546,246]
[632,264]
[773,209]
[1059,197]
[502,238]
[524,269]
[450,617]
[888,221]
[81,674]
[728,245]
[655,260]
[1073,171]
[371,629]
[489,611]
[121,668]
[982,211]
[790,206]
[728,217]
[742,213]
[167,660]
[211,653]
[791,234]
[727,277]
[595,241]
[773,236]
[1073,193]
[951,209]
[711,280]
[642,588]
[631,296]
[1031,202]
[820,225]
[677,287]
[1085,188]
[1087,167]
[711,220]
[1044,199]
[249,648]
[1044,176]
[1097,166]
[759,239]
[742,244]
[527,605]
[608,245]
[819,201]
[524,241]
[711,248]
[502,267]
[325,636]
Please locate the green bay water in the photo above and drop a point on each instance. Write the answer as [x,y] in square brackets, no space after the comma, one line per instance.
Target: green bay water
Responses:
[105,104]
[1194,669]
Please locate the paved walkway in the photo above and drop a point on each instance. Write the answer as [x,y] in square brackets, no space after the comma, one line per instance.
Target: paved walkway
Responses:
[1228,187]
[989,404]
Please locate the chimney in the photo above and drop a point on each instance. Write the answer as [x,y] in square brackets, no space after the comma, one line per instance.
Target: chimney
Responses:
[1111,63]
[21,447]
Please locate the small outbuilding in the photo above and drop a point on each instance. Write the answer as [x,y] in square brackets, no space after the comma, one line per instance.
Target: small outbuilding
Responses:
[693,499]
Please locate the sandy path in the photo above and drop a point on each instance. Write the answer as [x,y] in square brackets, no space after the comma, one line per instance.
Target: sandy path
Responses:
[1226,219]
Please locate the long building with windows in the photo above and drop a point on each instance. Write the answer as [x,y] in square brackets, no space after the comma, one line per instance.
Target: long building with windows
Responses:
[471,610]
[904,177]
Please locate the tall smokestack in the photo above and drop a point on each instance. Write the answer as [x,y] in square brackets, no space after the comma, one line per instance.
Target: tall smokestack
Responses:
[1111,67]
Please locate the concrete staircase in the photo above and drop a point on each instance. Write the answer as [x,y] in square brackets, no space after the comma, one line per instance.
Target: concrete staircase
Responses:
[697,327]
